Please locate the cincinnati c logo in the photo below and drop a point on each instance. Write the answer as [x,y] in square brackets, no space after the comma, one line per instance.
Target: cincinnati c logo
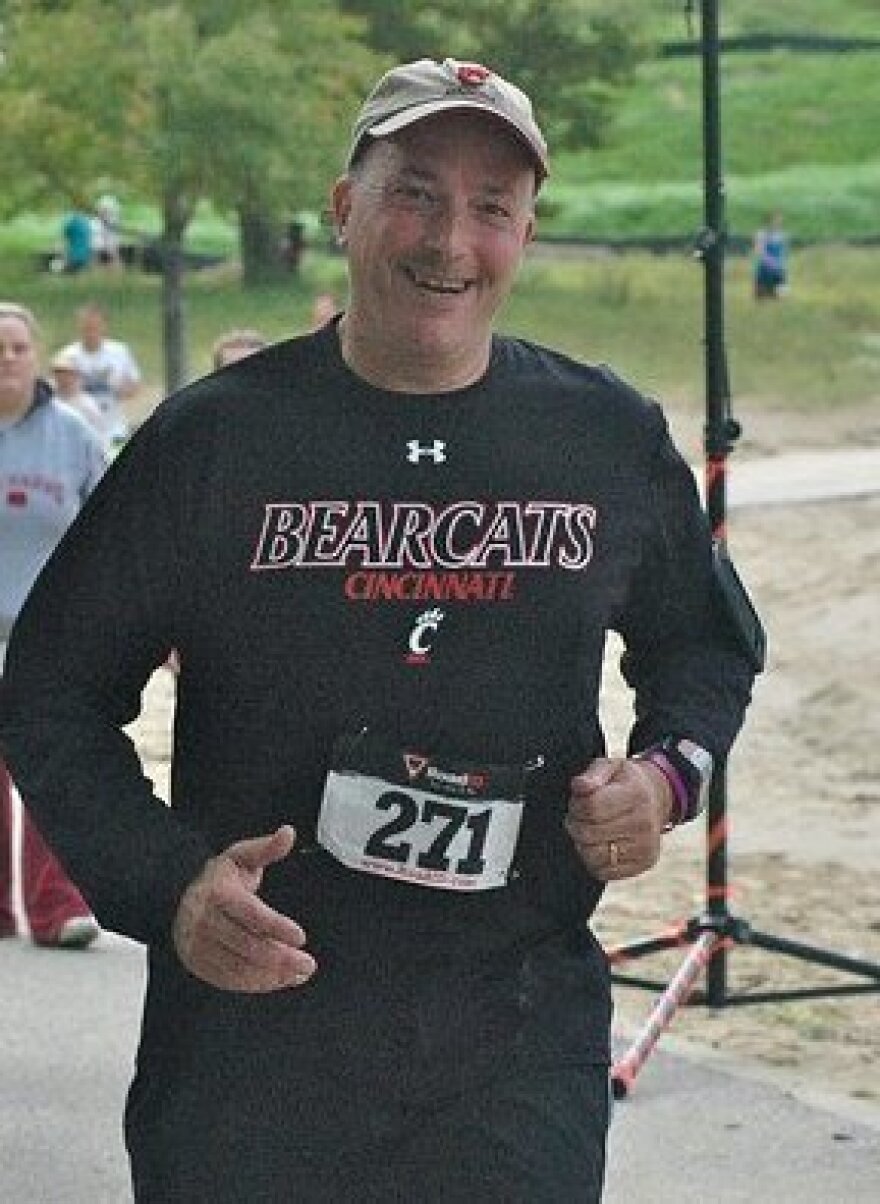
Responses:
[420,641]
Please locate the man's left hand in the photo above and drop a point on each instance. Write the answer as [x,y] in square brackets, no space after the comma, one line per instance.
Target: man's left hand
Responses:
[617,811]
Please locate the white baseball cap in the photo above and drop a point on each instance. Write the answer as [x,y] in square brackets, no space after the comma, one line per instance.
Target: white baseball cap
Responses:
[421,89]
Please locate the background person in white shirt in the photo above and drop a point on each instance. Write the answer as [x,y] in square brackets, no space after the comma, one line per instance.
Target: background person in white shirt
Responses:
[105,231]
[109,370]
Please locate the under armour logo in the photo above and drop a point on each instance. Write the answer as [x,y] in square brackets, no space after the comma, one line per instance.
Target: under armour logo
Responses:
[435,451]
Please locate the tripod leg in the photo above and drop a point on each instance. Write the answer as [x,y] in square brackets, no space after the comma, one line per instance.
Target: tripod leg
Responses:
[811,953]
[625,1070]
[674,936]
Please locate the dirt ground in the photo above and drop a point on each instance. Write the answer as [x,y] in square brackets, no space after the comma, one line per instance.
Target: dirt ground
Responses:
[803,787]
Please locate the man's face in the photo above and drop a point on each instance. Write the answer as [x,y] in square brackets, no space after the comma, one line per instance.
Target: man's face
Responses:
[18,363]
[67,381]
[436,218]
[92,328]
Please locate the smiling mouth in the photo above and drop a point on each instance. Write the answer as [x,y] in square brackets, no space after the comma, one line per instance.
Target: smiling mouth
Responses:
[439,285]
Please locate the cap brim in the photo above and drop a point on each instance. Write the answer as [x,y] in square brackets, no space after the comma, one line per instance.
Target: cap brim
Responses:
[410,116]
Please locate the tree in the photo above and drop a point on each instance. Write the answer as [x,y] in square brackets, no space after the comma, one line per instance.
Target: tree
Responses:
[292,130]
[279,82]
[58,127]
[177,102]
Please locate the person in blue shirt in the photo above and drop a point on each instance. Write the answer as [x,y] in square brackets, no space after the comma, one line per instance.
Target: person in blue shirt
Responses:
[77,231]
[770,264]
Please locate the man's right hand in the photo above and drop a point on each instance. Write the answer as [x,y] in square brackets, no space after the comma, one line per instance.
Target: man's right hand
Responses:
[227,936]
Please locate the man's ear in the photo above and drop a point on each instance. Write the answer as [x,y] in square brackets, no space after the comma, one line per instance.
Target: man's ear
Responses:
[341,202]
[531,230]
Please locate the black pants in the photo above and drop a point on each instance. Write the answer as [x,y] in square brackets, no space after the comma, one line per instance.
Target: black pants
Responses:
[534,1139]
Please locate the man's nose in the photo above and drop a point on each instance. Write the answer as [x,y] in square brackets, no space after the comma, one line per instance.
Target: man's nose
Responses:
[449,225]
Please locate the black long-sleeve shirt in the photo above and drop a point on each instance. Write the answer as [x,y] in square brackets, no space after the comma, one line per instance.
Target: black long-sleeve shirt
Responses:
[286,527]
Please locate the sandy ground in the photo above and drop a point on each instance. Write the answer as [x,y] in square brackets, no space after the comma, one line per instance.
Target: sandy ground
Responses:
[804,784]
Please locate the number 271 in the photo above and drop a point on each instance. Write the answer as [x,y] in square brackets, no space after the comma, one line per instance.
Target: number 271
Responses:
[454,817]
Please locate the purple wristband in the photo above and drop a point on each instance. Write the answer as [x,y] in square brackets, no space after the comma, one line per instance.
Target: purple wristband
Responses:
[673,777]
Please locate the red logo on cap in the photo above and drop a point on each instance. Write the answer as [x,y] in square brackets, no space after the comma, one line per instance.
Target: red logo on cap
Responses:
[472,74]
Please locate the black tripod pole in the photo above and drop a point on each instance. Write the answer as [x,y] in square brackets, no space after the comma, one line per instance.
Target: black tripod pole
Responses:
[710,936]
[720,432]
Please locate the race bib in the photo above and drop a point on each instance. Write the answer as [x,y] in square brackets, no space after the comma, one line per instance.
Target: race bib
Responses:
[408,816]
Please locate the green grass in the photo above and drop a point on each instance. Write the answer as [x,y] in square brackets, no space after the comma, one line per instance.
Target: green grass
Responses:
[776,109]
[796,132]
[644,315]
[852,18]
[819,203]
[795,136]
